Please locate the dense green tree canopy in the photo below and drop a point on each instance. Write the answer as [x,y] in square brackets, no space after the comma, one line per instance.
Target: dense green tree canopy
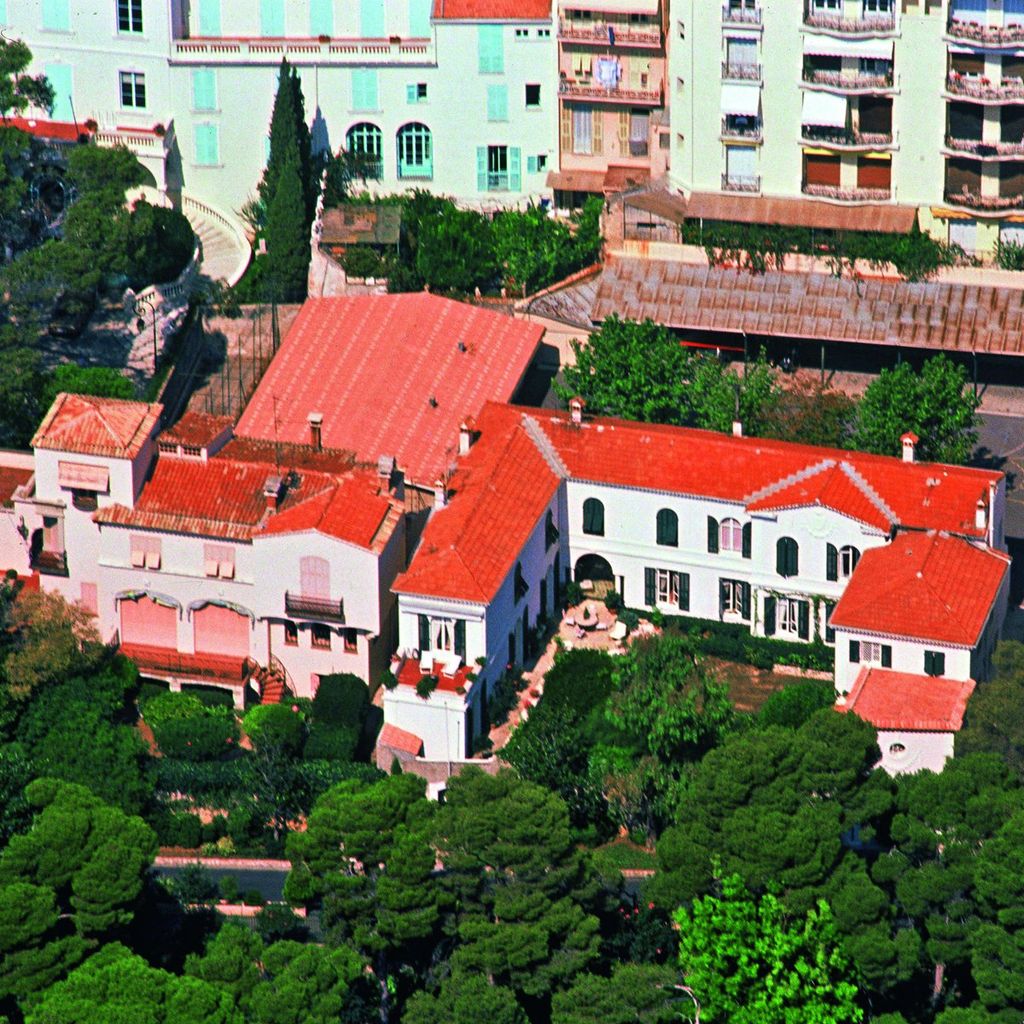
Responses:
[996,721]
[17,89]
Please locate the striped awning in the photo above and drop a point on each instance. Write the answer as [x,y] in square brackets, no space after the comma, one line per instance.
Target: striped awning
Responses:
[80,476]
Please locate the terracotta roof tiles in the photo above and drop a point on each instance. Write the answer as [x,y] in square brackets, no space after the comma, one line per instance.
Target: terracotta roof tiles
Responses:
[907,702]
[97,426]
[492,10]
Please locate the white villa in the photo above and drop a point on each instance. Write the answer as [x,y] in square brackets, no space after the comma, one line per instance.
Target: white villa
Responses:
[900,565]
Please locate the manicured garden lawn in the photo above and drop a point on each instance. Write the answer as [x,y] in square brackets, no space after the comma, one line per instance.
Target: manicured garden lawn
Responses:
[622,855]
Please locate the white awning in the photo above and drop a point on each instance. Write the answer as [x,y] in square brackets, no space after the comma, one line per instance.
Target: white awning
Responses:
[81,477]
[825,109]
[741,98]
[826,46]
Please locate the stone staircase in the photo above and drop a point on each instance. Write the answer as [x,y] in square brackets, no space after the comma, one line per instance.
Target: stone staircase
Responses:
[226,251]
[271,682]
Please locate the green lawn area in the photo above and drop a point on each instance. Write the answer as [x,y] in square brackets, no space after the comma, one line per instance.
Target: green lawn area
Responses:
[622,855]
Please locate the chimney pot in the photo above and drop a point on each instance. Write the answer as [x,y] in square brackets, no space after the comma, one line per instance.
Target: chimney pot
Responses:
[576,406]
[465,436]
[272,492]
[316,423]
[981,514]
[440,494]
[909,440]
[737,428]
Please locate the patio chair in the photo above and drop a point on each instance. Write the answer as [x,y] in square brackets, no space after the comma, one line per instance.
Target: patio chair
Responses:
[619,631]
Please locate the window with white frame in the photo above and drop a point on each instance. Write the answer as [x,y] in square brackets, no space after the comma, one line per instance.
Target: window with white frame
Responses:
[788,612]
[666,587]
[129,15]
[133,89]
[442,634]
[219,560]
[735,598]
[730,534]
[849,556]
[146,551]
[871,652]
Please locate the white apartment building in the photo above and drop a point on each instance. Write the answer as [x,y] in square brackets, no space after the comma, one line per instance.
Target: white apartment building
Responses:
[441,94]
[856,102]
[899,565]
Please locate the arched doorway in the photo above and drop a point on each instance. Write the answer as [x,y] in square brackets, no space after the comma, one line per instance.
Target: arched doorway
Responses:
[593,568]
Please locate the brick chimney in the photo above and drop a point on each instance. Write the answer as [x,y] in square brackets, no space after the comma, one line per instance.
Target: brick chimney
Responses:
[466,435]
[316,423]
[576,407]
[272,492]
[909,440]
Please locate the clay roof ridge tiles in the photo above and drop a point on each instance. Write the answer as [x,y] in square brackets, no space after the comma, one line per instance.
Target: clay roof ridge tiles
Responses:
[861,483]
[788,481]
[548,452]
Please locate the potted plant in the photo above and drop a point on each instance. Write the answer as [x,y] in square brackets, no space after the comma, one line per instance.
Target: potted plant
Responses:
[394,40]
[91,125]
[426,686]
[323,38]
[159,131]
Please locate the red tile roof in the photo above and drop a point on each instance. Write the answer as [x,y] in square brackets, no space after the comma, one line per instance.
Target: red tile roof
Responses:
[63,131]
[928,586]
[409,674]
[11,478]
[223,497]
[492,10]
[97,426]
[400,739]
[389,376]
[197,428]
[502,488]
[901,700]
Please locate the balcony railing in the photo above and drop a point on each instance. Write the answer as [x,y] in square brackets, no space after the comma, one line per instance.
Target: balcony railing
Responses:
[617,94]
[853,81]
[869,24]
[741,72]
[423,171]
[848,195]
[976,201]
[314,607]
[497,181]
[983,149]
[844,138]
[741,15]
[638,147]
[978,88]
[164,661]
[748,132]
[604,33]
[318,50]
[988,35]
[741,182]
[50,563]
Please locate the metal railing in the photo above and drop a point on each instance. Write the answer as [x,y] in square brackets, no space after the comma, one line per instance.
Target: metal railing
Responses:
[989,35]
[741,72]
[741,15]
[848,195]
[868,24]
[844,138]
[314,607]
[848,79]
[980,88]
[751,132]
[982,149]
[609,33]
[617,93]
[741,182]
[497,181]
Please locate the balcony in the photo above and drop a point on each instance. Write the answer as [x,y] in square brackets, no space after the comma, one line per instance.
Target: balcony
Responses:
[741,16]
[416,171]
[868,25]
[848,195]
[843,139]
[976,202]
[311,51]
[741,182]
[992,36]
[49,563]
[852,82]
[617,94]
[741,72]
[164,662]
[604,33]
[497,181]
[743,132]
[322,608]
[973,87]
[986,150]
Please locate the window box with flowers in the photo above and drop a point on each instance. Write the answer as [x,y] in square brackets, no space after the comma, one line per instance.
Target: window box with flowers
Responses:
[426,686]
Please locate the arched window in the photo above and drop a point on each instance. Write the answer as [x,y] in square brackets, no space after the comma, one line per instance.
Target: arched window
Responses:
[787,557]
[415,151]
[849,556]
[668,528]
[364,143]
[730,535]
[593,517]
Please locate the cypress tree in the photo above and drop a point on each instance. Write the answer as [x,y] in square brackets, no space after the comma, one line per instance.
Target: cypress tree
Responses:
[287,237]
[286,122]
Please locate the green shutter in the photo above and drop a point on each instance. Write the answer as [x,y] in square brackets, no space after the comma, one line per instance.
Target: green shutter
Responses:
[593,517]
[410,93]
[490,49]
[497,103]
[204,89]
[371,19]
[481,186]
[747,539]
[531,165]
[830,633]
[886,656]
[272,18]
[793,558]
[650,587]
[855,651]
[209,17]
[939,662]
[745,601]
[780,556]
[3,12]
[424,629]
[515,169]
[321,17]
[929,663]
[769,616]
[667,528]
[803,620]
[207,144]
[712,535]
[60,77]
[364,89]
[684,591]
[56,16]
[721,599]
[419,18]
[460,638]
[831,562]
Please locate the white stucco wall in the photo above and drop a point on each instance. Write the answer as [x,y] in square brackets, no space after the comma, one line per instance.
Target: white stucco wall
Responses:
[922,751]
